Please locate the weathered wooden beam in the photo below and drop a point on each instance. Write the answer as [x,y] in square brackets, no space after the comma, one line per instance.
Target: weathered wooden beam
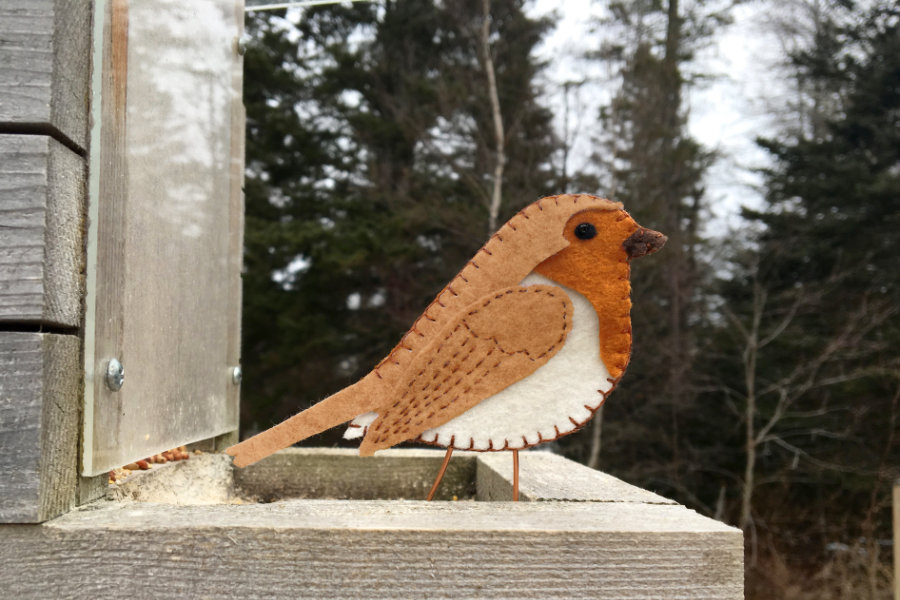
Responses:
[629,544]
[343,474]
[375,549]
[178,207]
[45,68]
[42,190]
[896,497]
[547,476]
[40,400]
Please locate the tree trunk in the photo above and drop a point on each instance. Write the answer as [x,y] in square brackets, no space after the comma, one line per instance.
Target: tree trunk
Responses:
[596,439]
[751,350]
[499,136]
[679,277]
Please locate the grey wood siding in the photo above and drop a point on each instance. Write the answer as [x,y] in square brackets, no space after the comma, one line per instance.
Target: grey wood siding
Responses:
[42,188]
[40,400]
[45,67]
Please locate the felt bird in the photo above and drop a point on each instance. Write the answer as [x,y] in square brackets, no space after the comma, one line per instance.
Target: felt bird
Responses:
[520,348]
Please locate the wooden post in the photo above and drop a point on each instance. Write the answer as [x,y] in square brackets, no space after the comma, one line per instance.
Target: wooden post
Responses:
[164,229]
[73,252]
[45,58]
[897,539]
[44,90]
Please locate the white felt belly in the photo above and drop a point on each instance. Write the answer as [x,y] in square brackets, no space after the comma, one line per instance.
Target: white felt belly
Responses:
[552,401]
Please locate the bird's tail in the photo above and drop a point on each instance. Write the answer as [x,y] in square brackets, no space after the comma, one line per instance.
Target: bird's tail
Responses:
[334,410]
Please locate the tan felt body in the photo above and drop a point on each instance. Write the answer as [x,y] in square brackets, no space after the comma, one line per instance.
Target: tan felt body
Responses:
[497,341]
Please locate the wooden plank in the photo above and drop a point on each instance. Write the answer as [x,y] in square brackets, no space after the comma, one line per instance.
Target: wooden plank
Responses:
[236,226]
[630,546]
[167,168]
[547,476]
[41,220]
[104,318]
[897,539]
[44,67]
[40,399]
[375,549]
[343,474]
[91,488]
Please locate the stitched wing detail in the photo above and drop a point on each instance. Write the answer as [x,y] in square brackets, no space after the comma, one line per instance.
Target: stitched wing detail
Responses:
[496,341]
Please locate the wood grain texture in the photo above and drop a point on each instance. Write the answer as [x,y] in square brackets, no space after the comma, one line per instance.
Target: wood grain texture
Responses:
[629,546]
[897,539]
[91,488]
[343,474]
[44,67]
[236,229]
[104,317]
[547,476]
[41,221]
[166,174]
[374,549]
[40,376]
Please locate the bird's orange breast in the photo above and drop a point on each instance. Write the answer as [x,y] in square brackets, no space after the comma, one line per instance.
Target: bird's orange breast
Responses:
[598,268]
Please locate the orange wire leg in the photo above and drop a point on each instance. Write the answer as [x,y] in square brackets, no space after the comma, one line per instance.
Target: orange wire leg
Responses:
[440,474]
[515,475]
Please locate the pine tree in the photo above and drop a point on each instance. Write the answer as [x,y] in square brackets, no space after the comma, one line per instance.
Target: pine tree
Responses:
[815,307]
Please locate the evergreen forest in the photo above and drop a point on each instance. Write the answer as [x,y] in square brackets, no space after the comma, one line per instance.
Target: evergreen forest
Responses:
[387,140]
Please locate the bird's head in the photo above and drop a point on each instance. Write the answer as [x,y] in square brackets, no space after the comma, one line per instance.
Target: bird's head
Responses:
[601,242]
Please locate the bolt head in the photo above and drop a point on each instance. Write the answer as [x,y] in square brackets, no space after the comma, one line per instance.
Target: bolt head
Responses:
[115,375]
[241,44]
[236,375]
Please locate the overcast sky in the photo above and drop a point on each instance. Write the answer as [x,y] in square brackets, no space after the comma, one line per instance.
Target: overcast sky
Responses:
[725,114]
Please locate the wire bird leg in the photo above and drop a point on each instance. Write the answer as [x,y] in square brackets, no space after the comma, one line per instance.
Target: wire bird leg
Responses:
[440,474]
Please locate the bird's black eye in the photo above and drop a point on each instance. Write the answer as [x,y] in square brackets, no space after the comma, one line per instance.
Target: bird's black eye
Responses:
[585,231]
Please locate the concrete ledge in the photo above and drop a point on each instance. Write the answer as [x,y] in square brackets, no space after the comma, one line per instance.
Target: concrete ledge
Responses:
[632,547]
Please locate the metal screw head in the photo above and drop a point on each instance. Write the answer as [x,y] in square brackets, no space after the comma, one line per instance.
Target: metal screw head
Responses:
[241,43]
[236,375]
[115,375]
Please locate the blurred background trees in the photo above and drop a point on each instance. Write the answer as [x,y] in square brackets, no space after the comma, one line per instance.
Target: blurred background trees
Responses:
[385,140]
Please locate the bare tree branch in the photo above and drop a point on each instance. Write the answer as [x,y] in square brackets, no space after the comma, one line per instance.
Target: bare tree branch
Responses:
[500,139]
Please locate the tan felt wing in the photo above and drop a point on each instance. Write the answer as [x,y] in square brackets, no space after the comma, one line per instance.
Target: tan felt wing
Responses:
[494,342]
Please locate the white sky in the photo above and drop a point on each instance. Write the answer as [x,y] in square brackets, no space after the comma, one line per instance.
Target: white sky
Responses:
[726,114]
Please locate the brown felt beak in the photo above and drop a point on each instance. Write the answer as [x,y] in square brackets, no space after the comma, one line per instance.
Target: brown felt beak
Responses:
[643,242]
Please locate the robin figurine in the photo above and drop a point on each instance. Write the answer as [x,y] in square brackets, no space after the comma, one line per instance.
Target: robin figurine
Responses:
[520,348]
